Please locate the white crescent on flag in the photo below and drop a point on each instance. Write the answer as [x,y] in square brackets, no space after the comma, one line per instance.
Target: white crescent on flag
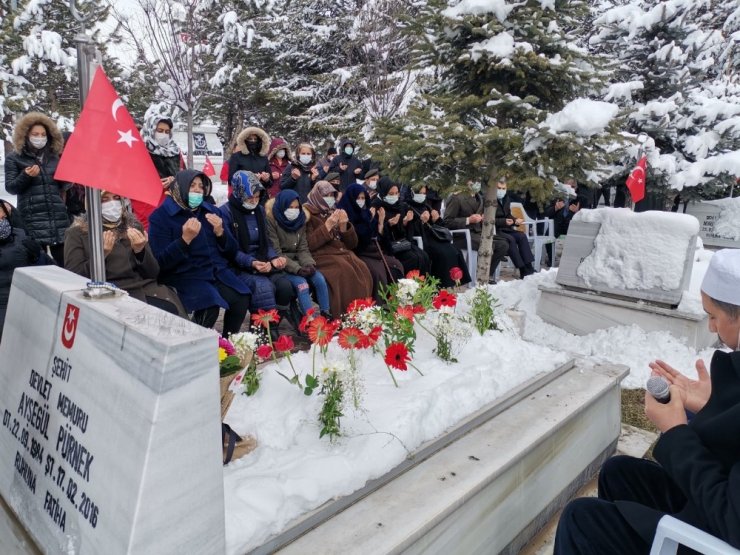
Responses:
[117,103]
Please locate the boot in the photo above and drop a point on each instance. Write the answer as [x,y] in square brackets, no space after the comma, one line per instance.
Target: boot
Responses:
[526,270]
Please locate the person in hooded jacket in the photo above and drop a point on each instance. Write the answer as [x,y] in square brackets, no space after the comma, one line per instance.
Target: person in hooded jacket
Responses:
[302,172]
[16,250]
[286,224]
[373,245]
[331,240]
[193,248]
[279,158]
[696,473]
[166,156]
[129,261]
[519,250]
[257,263]
[29,174]
[398,219]
[252,147]
[347,164]
[443,254]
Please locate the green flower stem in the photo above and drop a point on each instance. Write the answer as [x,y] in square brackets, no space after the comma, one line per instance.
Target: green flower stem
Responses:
[415,368]
[392,376]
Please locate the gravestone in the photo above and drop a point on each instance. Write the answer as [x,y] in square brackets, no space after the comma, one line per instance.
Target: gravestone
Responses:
[110,422]
[710,216]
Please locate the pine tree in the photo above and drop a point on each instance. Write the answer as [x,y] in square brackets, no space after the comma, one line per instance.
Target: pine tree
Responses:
[502,99]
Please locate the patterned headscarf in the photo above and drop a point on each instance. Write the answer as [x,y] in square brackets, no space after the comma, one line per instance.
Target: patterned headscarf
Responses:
[244,185]
[316,196]
[147,133]
[180,187]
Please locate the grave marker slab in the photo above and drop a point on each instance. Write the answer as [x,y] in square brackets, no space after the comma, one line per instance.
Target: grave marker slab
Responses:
[110,422]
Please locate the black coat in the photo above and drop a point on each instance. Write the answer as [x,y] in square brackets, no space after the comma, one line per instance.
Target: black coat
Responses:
[167,166]
[348,175]
[249,162]
[13,254]
[39,198]
[703,460]
[503,212]
[302,185]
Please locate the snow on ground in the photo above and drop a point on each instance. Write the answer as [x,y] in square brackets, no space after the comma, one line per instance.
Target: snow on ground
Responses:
[622,257]
[293,471]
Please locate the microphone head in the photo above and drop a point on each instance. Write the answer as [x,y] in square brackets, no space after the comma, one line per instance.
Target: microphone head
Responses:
[658,387]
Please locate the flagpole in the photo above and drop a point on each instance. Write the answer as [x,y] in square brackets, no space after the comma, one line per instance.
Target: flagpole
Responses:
[87,59]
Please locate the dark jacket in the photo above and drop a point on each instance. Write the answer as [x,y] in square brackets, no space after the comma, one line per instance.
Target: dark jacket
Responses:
[703,460]
[192,269]
[458,208]
[245,160]
[167,166]
[561,218]
[302,185]
[14,253]
[503,212]
[348,175]
[39,198]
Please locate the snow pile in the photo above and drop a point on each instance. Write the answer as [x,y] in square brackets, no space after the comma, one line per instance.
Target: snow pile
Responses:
[628,345]
[499,8]
[293,471]
[583,117]
[499,46]
[728,223]
[637,251]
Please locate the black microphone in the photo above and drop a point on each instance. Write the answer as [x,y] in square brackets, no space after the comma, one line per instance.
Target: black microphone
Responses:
[659,388]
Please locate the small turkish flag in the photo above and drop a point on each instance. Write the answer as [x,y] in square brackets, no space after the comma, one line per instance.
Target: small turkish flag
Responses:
[208,168]
[106,151]
[636,180]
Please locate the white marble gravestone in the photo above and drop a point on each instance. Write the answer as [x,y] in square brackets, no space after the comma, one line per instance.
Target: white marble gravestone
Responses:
[110,422]
[711,217]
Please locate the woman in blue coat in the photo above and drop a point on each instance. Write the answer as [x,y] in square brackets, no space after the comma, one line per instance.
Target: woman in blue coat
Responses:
[193,248]
[257,263]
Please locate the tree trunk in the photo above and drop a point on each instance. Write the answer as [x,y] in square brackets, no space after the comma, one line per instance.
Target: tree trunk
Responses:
[190,138]
[485,251]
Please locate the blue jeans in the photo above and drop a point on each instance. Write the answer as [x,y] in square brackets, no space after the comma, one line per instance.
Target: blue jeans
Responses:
[303,291]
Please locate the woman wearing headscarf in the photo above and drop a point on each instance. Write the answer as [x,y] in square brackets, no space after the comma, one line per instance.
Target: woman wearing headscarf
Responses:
[16,250]
[166,156]
[279,159]
[258,265]
[302,172]
[443,254]
[372,242]
[286,223]
[331,240]
[129,261]
[398,219]
[193,248]
[29,173]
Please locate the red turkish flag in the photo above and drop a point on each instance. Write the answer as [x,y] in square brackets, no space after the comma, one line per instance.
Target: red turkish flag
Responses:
[106,151]
[636,180]
[208,168]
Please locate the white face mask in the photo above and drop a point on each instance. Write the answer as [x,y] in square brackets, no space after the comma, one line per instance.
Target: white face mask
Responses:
[360,181]
[330,201]
[111,210]
[391,199]
[37,142]
[250,205]
[162,138]
[280,154]
[292,213]
[305,159]
[372,185]
[500,193]
[419,198]
[475,187]
[361,203]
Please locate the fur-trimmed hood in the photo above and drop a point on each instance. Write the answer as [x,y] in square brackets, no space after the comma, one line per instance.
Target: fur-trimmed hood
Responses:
[241,140]
[270,203]
[56,141]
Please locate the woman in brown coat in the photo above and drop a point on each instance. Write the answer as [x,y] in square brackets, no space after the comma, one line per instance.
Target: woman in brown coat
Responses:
[129,261]
[331,239]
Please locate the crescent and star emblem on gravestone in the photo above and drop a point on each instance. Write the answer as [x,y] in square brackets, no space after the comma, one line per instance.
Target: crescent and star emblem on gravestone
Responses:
[69,330]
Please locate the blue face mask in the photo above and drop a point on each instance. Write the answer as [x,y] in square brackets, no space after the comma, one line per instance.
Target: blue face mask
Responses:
[5,229]
[195,200]
[501,193]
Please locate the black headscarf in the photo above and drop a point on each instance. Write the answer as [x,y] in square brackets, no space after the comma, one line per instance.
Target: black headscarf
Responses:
[180,187]
[384,185]
[360,218]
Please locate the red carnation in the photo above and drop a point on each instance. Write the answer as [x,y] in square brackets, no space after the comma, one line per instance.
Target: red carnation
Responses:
[351,338]
[456,274]
[284,343]
[360,304]
[264,351]
[265,317]
[306,320]
[444,298]
[397,355]
[415,274]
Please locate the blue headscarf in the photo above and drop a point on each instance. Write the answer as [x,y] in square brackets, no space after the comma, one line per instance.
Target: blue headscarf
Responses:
[244,185]
[281,204]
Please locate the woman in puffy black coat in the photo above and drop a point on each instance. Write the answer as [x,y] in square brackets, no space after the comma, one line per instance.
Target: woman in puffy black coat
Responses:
[29,174]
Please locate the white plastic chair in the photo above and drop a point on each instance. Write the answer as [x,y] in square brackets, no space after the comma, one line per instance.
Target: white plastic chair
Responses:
[419,241]
[672,532]
[471,256]
[537,241]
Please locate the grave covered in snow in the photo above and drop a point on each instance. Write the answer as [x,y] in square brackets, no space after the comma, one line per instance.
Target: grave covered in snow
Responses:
[719,221]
